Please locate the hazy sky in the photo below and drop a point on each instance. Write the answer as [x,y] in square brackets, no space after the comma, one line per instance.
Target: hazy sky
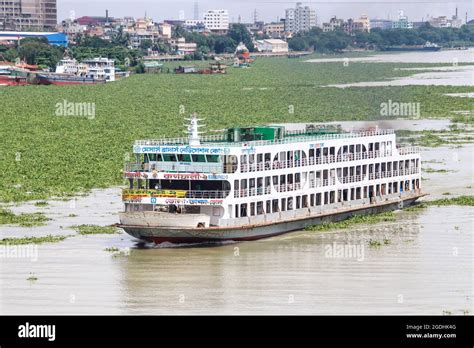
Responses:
[268,10]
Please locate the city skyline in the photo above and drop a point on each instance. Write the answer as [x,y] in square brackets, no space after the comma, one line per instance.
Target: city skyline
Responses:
[267,11]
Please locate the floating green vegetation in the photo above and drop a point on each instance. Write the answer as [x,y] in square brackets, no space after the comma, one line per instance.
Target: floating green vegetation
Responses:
[148,105]
[94,229]
[446,193]
[32,240]
[466,119]
[32,278]
[373,243]
[7,217]
[354,220]
[431,170]
[41,204]
[461,201]
[112,249]
[72,215]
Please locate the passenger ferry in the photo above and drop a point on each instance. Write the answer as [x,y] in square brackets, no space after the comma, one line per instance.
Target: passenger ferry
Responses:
[257,182]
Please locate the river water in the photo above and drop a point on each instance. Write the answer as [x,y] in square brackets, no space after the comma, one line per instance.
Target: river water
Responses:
[452,74]
[424,264]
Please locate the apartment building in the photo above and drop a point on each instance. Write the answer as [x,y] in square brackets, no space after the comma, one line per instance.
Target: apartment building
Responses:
[26,14]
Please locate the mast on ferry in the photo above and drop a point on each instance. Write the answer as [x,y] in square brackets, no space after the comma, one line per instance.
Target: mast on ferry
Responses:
[193,130]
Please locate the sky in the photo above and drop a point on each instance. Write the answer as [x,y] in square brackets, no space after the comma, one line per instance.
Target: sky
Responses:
[267,10]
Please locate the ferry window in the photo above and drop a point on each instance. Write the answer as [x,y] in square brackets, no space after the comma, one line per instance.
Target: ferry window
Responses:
[298,202]
[260,210]
[212,158]
[243,210]
[358,147]
[304,201]
[216,211]
[311,200]
[260,158]
[252,209]
[275,180]
[290,203]
[184,158]
[159,158]
[311,153]
[236,210]
[268,158]
[199,158]
[169,158]
[318,199]
[283,204]
[275,206]
[298,177]
[269,207]
[152,157]
[332,151]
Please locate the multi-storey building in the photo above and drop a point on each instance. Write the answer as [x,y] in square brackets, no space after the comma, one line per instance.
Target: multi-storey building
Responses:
[216,20]
[402,22]
[381,24]
[275,30]
[24,14]
[300,18]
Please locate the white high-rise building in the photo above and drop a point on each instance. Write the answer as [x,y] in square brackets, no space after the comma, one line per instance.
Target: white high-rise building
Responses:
[216,20]
[301,18]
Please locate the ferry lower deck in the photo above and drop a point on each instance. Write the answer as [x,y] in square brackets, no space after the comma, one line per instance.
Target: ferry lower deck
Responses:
[269,226]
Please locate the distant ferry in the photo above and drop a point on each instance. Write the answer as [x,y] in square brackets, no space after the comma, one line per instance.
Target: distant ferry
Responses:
[65,79]
[257,182]
[89,72]
[428,47]
[10,76]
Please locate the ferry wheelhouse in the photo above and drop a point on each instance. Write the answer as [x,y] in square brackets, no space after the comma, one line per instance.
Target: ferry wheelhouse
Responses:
[256,182]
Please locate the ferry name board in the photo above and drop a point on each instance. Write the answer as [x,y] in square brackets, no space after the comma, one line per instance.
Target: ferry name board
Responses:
[175,201]
[188,150]
[138,195]
[177,176]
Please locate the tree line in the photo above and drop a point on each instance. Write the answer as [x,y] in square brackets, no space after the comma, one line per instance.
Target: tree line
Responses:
[378,39]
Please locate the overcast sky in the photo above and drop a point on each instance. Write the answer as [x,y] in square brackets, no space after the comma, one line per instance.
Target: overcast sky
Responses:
[268,10]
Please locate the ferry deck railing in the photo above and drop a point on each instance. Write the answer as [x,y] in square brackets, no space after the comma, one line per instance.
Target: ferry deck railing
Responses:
[219,168]
[291,137]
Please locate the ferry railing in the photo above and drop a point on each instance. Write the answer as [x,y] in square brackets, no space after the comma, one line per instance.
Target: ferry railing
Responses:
[220,139]
[394,173]
[252,167]
[409,150]
[214,168]
[258,191]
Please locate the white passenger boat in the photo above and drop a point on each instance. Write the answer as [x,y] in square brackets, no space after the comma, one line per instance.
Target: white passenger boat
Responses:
[257,182]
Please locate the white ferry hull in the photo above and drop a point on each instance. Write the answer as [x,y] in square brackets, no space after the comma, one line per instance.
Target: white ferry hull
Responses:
[180,235]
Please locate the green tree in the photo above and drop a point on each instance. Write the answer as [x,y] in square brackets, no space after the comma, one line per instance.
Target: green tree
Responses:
[239,33]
